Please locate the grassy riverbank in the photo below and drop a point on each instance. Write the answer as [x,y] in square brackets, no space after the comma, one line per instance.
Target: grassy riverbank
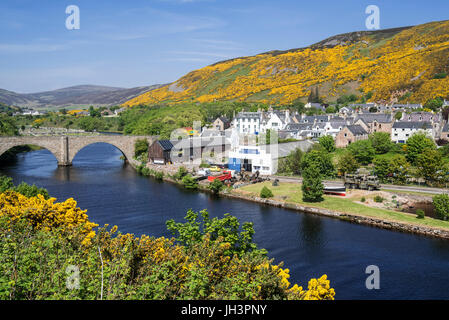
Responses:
[291,193]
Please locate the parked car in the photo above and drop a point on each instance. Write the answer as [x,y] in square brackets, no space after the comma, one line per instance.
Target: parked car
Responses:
[215,169]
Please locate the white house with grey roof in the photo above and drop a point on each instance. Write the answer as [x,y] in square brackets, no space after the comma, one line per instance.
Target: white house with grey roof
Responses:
[248,122]
[275,120]
[403,130]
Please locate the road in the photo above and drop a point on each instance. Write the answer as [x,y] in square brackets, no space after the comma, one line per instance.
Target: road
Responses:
[383,186]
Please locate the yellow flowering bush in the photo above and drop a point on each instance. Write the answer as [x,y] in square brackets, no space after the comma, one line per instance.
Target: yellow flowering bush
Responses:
[45,213]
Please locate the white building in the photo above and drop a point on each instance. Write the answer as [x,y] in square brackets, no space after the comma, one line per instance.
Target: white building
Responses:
[402,130]
[248,122]
[275,120]
[247,154]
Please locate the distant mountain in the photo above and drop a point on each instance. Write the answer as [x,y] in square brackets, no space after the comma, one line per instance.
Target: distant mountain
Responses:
[76,95]
[407,64]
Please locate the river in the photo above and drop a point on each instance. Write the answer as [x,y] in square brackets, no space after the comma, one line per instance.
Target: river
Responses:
[411,266]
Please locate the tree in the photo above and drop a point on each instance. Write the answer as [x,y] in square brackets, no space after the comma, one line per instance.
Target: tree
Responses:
[8,126]
[321,160]
[363,151]
[328,143]
[416,144]
[382,169]
[192,232]
[428,165]
[141,148]
[434,104]
[398,115]
[381,142]
[312,186]
[94,112]
[331,109]
[291,164]
[441,204]
[400,169]
[347,163]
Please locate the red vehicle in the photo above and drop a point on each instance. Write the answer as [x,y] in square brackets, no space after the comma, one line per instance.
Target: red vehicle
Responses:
[226,175]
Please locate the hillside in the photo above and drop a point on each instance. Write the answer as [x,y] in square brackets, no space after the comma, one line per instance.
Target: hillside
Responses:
[408,64]
[76,95]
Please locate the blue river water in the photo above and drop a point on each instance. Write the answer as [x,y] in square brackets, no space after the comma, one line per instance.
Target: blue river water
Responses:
[411,266]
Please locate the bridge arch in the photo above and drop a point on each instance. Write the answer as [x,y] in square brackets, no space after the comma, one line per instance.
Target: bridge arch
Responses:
[53,145]
[74,152]
[123,143]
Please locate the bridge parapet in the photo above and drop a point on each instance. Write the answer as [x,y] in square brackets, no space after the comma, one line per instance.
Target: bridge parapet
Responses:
[65,148]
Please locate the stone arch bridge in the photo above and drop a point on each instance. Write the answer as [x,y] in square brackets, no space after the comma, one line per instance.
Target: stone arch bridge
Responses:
[65,148]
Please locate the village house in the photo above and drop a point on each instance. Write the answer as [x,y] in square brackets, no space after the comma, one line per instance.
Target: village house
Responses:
[350,134]
[375,122]
[275,120]
[197,149]
[345,112]
[246,154]
[221,123]
[405,107]
[435,120]
[402,130]
[248,122]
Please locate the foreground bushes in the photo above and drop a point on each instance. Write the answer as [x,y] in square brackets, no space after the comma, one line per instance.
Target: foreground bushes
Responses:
[49,251]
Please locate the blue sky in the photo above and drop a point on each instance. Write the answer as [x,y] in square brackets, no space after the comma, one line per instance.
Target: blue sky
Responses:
[144,42]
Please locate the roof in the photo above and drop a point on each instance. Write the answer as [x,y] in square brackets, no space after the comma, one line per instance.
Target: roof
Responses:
[299,126]
[224,119]
[243,115]
[412,125]
[379,117]
[200,142]
[166,145]
[357,130]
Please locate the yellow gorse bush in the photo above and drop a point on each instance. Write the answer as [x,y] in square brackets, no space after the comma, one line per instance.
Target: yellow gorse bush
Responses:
[42,213]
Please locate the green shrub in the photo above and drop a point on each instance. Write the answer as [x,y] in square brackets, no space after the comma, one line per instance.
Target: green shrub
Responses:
[141,148]
[420,214]
[441,204]
[182,171]
[23,188]
[363,199]
[159,175]
[266,193]
[189,182]
[378,199]
[204,165]
[216,186]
